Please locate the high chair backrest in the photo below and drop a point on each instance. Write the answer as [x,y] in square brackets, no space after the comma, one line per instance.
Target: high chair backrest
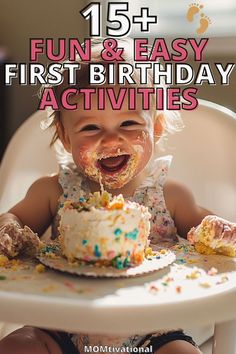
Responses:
[27,157]
[204,158]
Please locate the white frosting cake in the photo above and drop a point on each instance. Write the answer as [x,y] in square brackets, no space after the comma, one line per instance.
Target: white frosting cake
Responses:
[104,230]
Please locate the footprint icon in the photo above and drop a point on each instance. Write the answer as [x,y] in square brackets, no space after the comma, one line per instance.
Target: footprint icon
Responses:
[205,21]
[194,9]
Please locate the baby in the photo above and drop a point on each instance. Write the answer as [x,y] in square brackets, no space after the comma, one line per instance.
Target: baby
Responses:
[117,147]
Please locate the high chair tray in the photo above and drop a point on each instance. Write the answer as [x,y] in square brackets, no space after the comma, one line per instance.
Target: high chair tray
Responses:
[194,286]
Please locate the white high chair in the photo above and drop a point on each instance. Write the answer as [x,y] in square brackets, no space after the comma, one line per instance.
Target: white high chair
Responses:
[204,159]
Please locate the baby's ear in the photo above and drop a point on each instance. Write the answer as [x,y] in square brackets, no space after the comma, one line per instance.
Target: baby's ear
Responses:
[159,124]
[63,135]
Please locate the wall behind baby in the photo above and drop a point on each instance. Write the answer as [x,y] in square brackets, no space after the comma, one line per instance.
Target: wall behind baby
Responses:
[21,20]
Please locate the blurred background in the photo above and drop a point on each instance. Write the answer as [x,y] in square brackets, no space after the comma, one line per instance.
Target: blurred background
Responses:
[25,19]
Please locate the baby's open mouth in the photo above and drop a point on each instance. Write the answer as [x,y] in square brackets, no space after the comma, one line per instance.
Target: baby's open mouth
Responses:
[113,164]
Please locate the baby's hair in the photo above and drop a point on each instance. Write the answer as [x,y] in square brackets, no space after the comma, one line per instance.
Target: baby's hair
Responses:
[170,120]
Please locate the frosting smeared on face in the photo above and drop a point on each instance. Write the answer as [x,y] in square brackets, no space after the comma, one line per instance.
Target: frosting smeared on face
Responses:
[113,170]
[111,146]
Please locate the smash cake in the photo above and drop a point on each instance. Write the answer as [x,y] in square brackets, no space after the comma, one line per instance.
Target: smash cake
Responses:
[104,230]
[214,236]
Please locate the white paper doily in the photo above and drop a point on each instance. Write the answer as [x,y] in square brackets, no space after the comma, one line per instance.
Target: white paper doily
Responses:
[149,265]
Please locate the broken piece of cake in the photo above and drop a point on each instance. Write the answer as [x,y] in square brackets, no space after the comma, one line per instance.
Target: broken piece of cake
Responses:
[214,236]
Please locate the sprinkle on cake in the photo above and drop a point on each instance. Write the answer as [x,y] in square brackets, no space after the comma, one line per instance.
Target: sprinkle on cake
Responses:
[104,230]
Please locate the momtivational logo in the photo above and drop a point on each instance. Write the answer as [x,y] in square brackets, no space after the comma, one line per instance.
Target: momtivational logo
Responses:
[110,349]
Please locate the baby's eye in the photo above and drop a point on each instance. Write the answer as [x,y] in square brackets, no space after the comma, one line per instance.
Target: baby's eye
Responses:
[127,123]
[89,127]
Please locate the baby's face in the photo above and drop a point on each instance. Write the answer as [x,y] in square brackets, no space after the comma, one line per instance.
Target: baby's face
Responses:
[111,146]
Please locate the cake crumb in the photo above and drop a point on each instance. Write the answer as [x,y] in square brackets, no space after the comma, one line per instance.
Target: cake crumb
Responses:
[193,275]
[3,260]
[40,268]
[153,289]
[178,289]
[212,271]
[192,261]
[49,288]
[224,278]
[205,285]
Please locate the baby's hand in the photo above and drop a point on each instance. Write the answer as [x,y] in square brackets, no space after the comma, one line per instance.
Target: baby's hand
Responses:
[215,233]
[15,240]
[215,227]
[222,229]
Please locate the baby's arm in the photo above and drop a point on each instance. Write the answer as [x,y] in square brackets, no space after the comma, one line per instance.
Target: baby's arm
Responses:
[39,206]
[183,208]
[34,212]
